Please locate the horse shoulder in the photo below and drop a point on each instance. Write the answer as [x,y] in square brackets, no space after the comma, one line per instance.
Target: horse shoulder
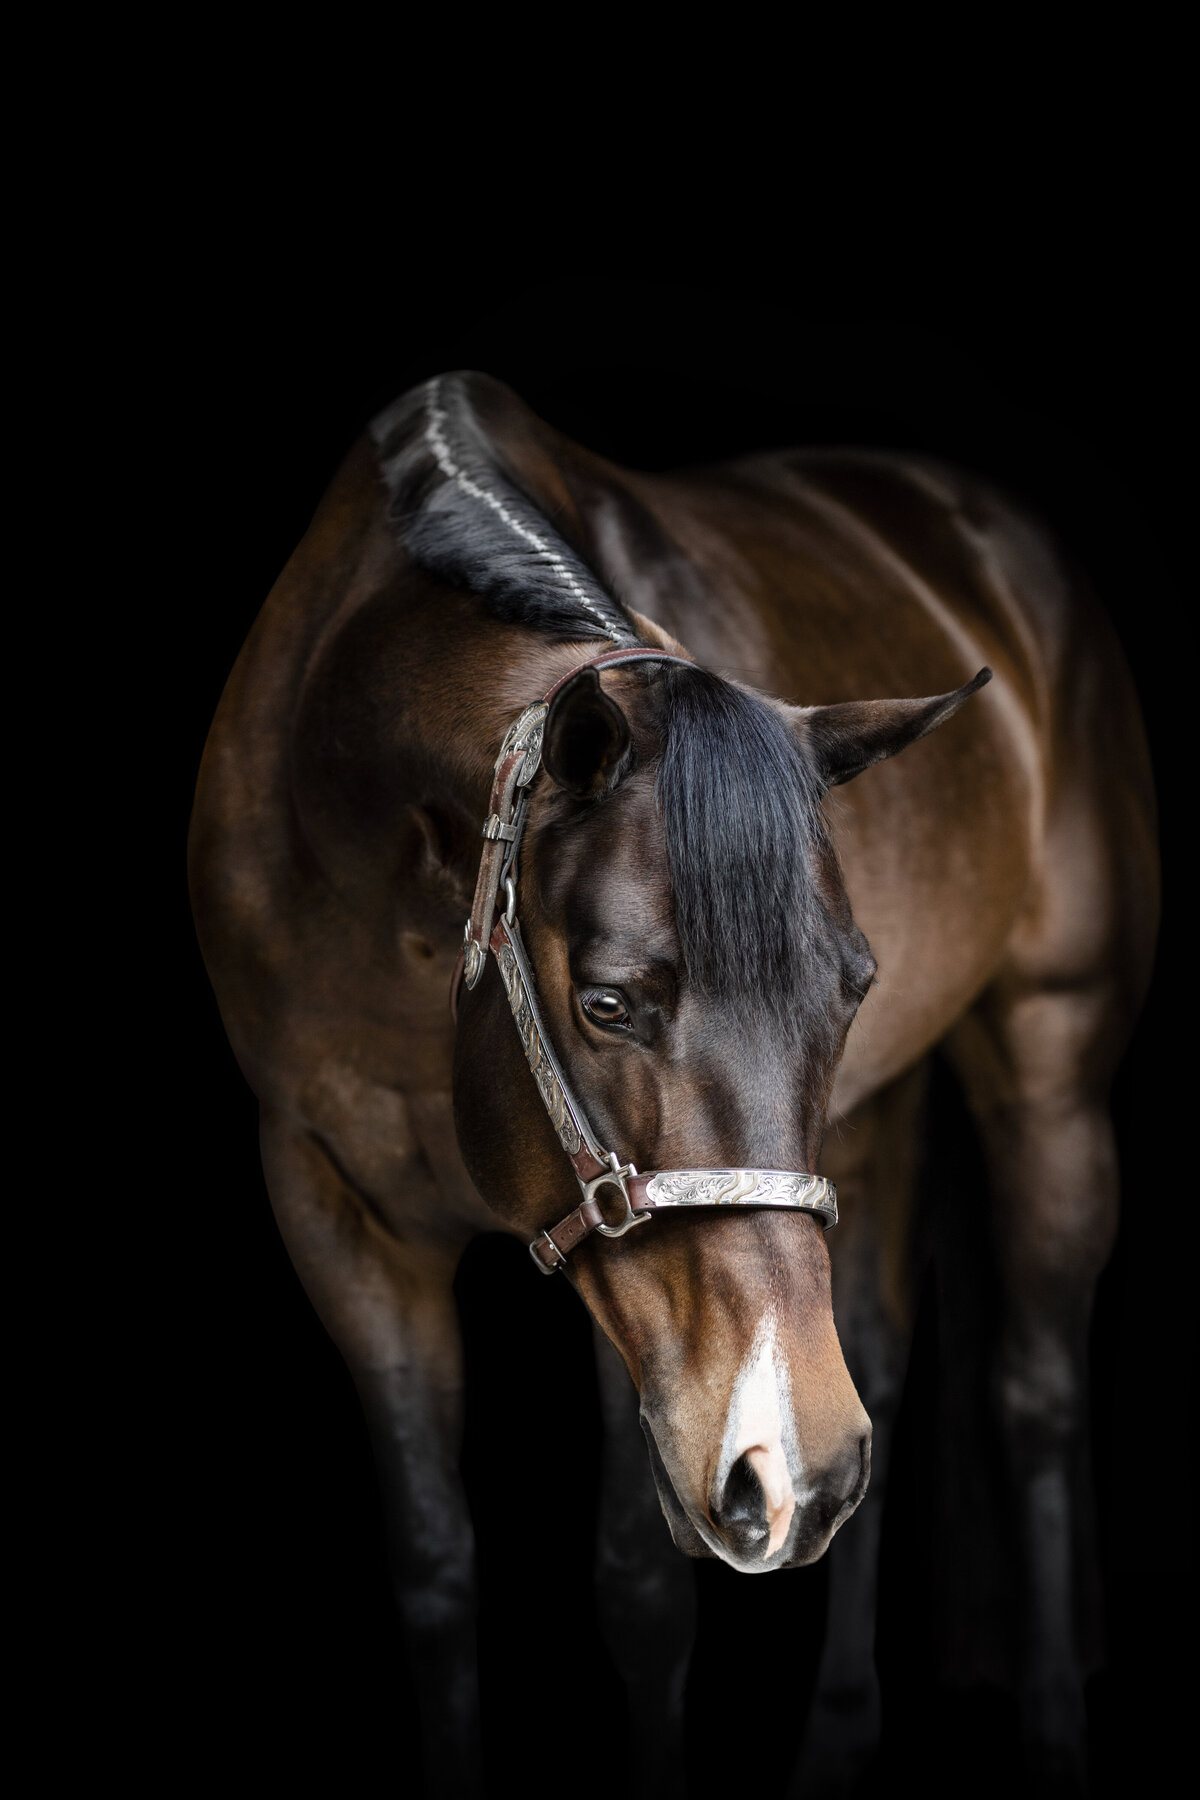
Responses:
[242,846]
[334,995]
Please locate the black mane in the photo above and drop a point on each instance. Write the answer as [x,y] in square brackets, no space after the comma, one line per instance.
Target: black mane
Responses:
[464,521]
[741,809]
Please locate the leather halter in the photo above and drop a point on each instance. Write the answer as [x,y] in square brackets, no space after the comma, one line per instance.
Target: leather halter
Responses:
[643,1195]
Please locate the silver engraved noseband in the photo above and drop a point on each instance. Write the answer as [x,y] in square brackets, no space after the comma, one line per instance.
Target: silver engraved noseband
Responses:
[597,1170]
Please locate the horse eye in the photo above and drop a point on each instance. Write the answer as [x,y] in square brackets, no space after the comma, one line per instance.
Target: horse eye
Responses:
[605,1008]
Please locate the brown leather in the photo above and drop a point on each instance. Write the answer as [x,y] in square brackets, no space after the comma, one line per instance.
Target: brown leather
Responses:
[639,1199]
[585,1164]
[609,658]
[456,985]
[555,1245]
[500,805]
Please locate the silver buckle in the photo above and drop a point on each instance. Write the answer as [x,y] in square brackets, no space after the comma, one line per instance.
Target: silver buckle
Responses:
[544,1268]
[616,1176]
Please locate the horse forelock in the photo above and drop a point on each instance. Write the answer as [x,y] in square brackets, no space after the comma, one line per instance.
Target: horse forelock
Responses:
[463,520]
[746,839]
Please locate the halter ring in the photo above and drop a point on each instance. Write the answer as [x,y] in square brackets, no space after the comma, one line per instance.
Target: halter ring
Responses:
[615,1176]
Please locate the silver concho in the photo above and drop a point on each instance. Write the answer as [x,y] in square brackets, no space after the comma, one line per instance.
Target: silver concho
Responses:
[525,734]
[548,1083]
[743,1187]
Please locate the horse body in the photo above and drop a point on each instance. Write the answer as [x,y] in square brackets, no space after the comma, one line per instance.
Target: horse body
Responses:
[1000,870]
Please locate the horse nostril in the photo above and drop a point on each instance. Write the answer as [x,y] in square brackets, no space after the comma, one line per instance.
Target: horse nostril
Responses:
[740,1514]
[845,1497]
[863,1472]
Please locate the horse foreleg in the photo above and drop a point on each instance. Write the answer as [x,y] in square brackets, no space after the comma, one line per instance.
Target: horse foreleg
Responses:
[1035,1067]
[390,1309]
[646,1597]
[873,1159]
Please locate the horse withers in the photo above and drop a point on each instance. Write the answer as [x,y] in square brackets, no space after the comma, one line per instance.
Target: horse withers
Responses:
[680,960]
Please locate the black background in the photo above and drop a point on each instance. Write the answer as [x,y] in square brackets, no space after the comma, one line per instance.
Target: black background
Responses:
[256,1556]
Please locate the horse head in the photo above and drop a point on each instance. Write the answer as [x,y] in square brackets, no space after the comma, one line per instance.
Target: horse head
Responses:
[694,962]
[697,969]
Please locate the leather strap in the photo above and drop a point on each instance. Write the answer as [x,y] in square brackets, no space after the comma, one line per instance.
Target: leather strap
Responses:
[518,762]
[550,1251]
[609,659]
[766,1190]
[566,1115]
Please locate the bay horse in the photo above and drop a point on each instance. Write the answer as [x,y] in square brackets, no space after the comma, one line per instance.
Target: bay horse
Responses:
[598,715]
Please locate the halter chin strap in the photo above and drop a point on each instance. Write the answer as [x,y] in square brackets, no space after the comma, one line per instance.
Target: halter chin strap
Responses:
[595,1168]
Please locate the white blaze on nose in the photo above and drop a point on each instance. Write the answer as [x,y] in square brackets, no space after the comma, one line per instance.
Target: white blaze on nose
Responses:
[761,1396]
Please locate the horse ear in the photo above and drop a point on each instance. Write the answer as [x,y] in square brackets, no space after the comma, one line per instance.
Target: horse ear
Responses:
[844,740]
[586,739]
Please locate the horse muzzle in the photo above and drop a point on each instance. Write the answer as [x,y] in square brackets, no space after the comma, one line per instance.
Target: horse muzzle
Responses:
[762,1510]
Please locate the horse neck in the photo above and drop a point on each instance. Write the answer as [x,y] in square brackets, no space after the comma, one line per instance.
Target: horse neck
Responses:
[402,714]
